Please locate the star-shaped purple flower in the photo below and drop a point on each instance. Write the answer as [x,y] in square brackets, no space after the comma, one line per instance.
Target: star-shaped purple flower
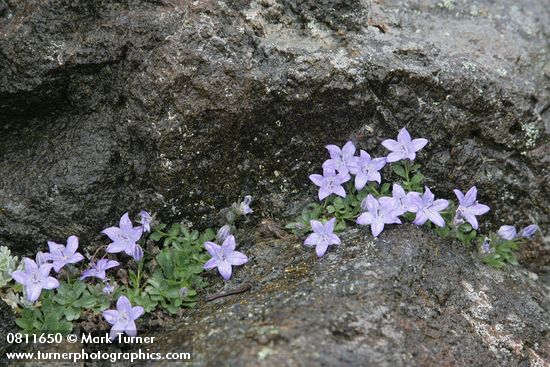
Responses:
[98,269]
[366,169]
[145,219]
[426,207]
[341,160]
[124,237]
[468,207]
[322,237]
[330,183]
[404,147]
[224,256]
[507,232]
[123,318]
[403,199]
[378,213]
[35,278]
[61,255]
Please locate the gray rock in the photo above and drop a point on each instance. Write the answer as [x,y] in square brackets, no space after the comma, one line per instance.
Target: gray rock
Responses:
[182,107]
[406,299]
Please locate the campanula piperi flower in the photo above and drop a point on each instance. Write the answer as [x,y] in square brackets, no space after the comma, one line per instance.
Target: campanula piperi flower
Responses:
[378,212]
[224,256]
[61,255]
[35,278]
[426,207]
[322,237]
[330,183]
[124,237]
[341,160]
[404,147]
[468,207]
[123,318]
[366,169]
[98,269]
[403,199]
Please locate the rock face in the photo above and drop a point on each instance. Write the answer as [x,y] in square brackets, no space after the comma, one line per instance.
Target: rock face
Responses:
[406,299]
[183,106]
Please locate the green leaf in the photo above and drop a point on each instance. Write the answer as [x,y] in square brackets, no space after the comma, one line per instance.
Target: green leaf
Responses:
[399,170]
[418,178]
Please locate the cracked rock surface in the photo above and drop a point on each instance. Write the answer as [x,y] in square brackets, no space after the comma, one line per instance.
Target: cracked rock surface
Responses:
[406,299]
[184,106]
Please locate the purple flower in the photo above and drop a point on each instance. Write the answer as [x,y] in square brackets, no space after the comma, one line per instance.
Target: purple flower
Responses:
[404,147]
[468,207]
[35,278]
[244,206]
[322,237]
[529,231]
[61,255]
[224,256]
[108,289]
[486,246]
[98,270]
[124,237]
[330,183]
[403,199]
[426,208]
[145,221]
[378,213]
[341,160]
[123,318]
[41,258]
[223,233]
[366,169]
[507,232]
[183,292]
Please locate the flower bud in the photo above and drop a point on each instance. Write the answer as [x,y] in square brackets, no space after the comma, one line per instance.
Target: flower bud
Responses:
[529,231]
[223,233]
[137,254]
[507,232]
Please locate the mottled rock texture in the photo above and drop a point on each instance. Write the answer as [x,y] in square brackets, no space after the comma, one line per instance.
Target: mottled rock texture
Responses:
[406,299]
[183,106]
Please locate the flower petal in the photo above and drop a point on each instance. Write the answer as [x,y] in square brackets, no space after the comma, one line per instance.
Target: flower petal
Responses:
[316,179]
[321,248]
[334,151]
[334,239]
[316,226]
[391,144]
[470,197]
[111,316]
[125,223]
[51,283]
[348,150]
[117,246]
[312,240]
[211,264]
[360,181]
[137,311]
[212,248]
[72,244]
[224,268]
[395,156]
[329,226]
[436,218]
[377,227]
[123,304]
[439,204]
[339,190]
[418,144]
[236,258]
[479,209]
[131,329]
[229,244]
[365,219]
[404,137]
[33,292]
[459,196]
[113,233]
[470,218]
[421,218]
